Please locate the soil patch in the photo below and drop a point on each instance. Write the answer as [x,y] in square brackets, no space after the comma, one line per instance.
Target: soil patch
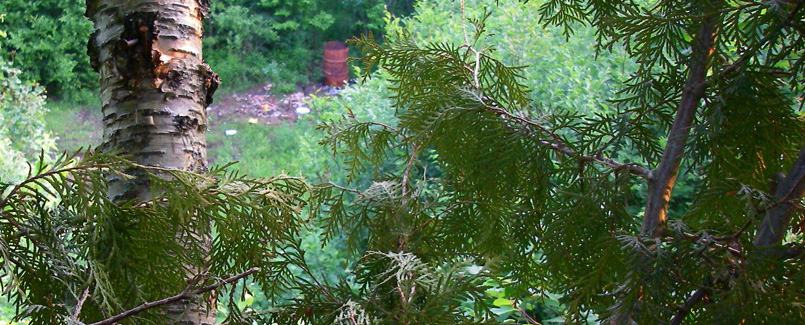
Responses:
[260,106]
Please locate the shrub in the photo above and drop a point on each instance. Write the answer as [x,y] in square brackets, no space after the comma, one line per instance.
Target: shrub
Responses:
[22,130]
[48,40]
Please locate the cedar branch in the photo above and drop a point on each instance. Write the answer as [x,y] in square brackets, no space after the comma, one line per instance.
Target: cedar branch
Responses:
[184,295]
[790,189]
[663,178]
[559,146]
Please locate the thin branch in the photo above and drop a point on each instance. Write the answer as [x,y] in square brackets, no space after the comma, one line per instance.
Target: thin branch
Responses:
[760,44]
[559,146]
[684,310]
[345,189]
[184,295]
[80,304]
[469,46]
[408,170]
[787,252]
[732,250]
[305,268]
[663,179]
[451,207]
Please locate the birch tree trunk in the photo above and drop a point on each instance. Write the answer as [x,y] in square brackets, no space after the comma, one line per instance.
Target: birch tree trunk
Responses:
[154,91]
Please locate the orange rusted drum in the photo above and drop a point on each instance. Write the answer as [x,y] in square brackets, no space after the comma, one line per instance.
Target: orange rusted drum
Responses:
[336,71]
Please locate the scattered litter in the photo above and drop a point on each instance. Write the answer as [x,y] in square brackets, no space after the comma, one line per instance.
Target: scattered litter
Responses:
[231,132]
[259,106]
[332,91]
[302,109]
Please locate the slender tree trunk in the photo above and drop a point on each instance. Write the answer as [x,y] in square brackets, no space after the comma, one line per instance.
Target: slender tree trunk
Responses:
[662,180]
[154,91]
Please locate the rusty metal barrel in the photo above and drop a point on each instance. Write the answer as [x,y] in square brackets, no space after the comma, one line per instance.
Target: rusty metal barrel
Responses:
[336,71]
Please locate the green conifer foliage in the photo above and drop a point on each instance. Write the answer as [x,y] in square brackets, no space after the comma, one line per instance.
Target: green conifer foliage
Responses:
[477,186]
[536,197]
[62,238]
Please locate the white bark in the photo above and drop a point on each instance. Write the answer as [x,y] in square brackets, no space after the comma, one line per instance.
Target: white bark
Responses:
[154,91]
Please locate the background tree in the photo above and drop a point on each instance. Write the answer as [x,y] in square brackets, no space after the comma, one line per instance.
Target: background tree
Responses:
[46,40]
[22,131]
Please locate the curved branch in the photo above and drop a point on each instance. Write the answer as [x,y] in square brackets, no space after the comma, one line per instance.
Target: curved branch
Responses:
[184,295]
[684,310]
[559,146]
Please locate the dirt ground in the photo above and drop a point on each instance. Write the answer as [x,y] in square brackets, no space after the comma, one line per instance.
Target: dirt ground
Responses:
[259,105]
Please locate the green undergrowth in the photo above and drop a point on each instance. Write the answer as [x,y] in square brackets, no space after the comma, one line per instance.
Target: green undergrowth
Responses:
[261,150]
[75,125]
[285,69]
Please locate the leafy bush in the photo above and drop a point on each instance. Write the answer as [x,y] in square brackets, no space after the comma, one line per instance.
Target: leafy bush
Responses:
[48,40]
[22,130]
[561,72]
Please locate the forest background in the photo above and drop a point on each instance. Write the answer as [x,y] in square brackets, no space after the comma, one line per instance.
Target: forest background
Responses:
[49,100]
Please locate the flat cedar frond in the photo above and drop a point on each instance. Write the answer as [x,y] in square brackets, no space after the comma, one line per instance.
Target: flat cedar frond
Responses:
[563,13]
[363,144]
[60,221]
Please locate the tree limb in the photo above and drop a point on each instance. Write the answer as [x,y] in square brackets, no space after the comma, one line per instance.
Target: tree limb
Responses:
[80,304]
[790,189]
[184,295]
[684,310]
[663,178]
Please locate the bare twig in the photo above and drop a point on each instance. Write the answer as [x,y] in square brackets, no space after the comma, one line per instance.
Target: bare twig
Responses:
[346,189]
[408,170]
[184,295]
[732,250]
[305,268]
[80,304]
[469,46]
[525,315]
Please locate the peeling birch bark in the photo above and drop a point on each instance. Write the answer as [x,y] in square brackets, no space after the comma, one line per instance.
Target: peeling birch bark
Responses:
[155,88]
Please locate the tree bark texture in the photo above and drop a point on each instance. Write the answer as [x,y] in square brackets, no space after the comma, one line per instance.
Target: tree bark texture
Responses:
[662,180]
[788,192]
[155,88]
